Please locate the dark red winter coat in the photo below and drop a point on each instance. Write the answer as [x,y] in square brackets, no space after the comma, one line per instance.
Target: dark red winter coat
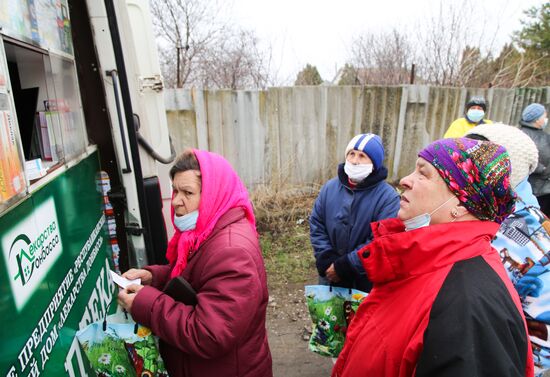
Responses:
[225,333]
[441,305]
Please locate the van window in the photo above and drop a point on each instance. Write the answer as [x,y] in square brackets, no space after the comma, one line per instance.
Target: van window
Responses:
[41,104]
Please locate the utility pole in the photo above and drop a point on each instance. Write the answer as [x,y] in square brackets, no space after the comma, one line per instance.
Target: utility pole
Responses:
[412,74]
[178,75]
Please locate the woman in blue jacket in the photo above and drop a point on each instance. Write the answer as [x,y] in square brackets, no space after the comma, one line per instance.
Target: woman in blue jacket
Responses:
[347,204]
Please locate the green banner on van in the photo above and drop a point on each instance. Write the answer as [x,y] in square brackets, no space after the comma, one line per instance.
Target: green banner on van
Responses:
[54,277]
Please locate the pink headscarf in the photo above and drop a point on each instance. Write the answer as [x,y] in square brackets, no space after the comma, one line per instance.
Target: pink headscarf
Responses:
[221,190]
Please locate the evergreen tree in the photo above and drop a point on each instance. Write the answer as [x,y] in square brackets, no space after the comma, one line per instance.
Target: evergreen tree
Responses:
[309,76]
[349,76]
[535,35]
[534,40]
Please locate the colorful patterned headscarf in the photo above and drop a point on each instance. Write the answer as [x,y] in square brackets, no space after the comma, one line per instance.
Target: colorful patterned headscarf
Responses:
[477,172]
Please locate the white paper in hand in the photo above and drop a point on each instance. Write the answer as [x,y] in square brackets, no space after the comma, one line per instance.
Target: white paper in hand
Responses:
[121,281]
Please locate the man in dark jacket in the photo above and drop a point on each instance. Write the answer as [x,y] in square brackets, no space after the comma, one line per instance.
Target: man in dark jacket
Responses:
[534,119]
[341,217]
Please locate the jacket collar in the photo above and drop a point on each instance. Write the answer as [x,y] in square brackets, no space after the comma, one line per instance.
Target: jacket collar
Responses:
[525,196]
[376,176]
[231,216]
[529,125]
[395,254]
[482,121]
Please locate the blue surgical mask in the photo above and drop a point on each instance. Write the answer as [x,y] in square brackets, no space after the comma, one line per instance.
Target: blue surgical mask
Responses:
[423,219]
[545,123]
[417,222]
[475,115]
[187,221]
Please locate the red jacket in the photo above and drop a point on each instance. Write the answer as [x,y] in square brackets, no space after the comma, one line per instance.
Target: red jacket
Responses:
[441,305]
[224,334]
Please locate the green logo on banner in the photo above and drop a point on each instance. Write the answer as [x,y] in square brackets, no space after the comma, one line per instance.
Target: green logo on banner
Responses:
[25,271]
[31,255]
[31,249]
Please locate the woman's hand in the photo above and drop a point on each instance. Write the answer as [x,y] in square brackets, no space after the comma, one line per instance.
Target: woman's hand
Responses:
[126,296]
[145,276]
[331,274]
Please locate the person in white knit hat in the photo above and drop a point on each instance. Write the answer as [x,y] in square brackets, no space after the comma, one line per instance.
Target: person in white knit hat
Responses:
[523,154]
[523,240]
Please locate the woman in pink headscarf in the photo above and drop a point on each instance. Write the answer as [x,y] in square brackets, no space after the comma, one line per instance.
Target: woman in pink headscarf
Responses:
[215,249]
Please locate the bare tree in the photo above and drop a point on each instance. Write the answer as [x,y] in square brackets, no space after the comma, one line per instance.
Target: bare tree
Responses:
[476,69]
[513,68]
[185,30]
[455,49]
[442,42]
[235,63]
[197,48]
[383,58]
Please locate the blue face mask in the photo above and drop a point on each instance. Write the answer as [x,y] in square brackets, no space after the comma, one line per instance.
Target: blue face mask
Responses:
[545,123]
[187,221]
[423,219]
[418,222]
[475,115]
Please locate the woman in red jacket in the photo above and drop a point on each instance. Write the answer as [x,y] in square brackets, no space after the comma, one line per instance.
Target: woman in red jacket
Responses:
[215,248]
[442,304]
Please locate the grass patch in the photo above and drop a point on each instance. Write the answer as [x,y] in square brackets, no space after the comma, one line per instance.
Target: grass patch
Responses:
[288,257]
[283,224]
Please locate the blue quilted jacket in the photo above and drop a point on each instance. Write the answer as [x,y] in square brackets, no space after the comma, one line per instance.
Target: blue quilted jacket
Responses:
[340,223]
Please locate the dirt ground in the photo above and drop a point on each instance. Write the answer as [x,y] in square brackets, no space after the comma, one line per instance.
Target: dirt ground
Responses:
[282,222]
[288,327]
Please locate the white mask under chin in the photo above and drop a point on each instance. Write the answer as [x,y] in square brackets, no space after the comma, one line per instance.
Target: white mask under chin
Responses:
[357,172]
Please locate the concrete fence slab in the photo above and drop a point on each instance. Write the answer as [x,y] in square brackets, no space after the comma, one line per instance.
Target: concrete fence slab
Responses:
[297,135]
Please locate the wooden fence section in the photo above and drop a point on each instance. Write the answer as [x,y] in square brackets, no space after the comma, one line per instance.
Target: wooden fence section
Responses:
[297,135]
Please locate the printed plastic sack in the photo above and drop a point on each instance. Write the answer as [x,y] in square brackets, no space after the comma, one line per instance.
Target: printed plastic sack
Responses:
[120,347]
[523,242]
[331,310]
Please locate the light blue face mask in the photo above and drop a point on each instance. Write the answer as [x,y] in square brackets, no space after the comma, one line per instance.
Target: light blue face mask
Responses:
[423,219]
[545,124]
[475,115]
[187,221]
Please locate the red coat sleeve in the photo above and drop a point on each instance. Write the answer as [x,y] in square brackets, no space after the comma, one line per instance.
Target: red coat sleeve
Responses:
[161,274]
[228,298]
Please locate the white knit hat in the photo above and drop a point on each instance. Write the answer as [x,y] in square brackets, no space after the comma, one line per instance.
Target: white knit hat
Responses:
[523,152]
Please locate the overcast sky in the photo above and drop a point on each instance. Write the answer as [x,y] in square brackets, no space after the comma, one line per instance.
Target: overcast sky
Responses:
[320,32]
